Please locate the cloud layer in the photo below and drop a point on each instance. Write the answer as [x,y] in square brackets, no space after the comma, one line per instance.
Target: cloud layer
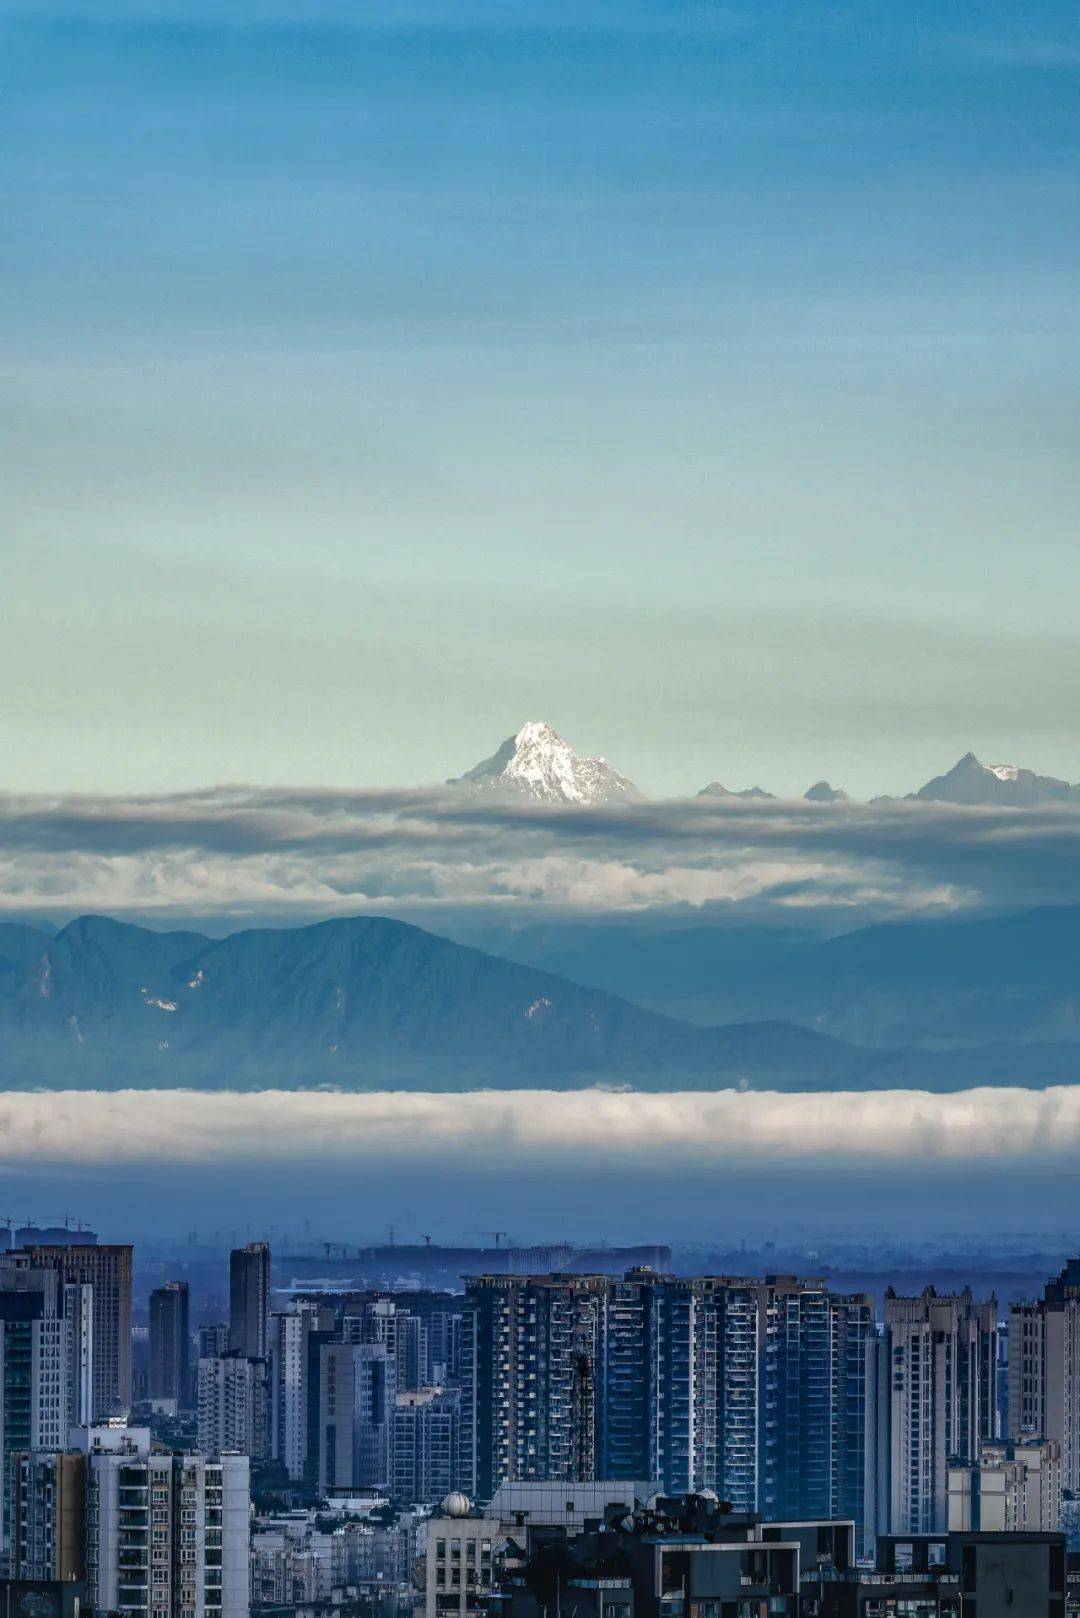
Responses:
[534,1128]
[239,852]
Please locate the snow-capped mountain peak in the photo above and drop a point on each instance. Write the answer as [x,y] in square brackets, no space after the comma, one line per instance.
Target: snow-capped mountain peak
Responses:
[970,781]
[537,763]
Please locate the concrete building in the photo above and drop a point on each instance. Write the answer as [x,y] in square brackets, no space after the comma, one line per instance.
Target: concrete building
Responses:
[465,1547]
[754,1388]
[459,1570]
[167,1535]
[529,1361]
[212,1341]
[108,1271]
[48,1516]
[1014,1488]
[249,1300]
[425,1447]
[289,1397]
[688,1556]
[350,1428]
[234,1406]
[669,1556]
[169,1375]
[35,1382]
[930,1403]
[385,1320]
[1044,1371]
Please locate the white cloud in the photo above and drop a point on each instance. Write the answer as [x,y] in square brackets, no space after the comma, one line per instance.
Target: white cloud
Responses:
[245,851]
[175,1126]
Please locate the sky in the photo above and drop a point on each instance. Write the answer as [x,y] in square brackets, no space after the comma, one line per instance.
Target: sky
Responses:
[377,376]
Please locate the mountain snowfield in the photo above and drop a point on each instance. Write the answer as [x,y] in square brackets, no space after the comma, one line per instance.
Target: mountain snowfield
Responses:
[537,763]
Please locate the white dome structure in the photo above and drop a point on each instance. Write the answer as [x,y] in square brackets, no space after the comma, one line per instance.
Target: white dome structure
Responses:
[457,1504]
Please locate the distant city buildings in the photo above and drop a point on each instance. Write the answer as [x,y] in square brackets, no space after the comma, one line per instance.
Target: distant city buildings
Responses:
[425,1444]
[169,1375]
[107,1270]
[421,1448]
[753,1389]
[1044,1371]
[233,1405]
[249,1300]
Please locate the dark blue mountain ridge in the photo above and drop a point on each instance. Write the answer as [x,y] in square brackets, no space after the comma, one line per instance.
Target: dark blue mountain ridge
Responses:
[938,983]
[373,1003]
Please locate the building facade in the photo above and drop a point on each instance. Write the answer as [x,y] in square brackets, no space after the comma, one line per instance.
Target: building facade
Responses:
[169,1375]
[234,1406]
[166,1535]
[107,1270]
[930,1401]
[249,1300]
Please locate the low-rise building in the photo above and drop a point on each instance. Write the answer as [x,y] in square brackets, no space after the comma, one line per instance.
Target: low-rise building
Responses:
[1015,1488]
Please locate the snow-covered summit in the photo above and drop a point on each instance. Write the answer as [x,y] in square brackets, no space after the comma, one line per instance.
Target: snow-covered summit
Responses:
[537,763]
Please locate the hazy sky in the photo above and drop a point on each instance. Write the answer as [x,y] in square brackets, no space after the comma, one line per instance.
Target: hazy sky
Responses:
[376,376]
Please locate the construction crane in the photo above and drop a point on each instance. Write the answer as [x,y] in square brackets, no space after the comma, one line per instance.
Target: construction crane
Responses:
[499,1235]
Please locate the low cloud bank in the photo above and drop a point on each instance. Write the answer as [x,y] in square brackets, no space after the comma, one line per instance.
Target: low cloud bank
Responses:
[82,1128]
[260,853]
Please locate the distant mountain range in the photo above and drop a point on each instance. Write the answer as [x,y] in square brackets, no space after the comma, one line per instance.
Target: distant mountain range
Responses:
[972,782]
[537,763]
[370,1003]
[1004,981]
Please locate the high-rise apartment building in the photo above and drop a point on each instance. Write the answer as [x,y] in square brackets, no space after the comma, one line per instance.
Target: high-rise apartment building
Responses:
[930,1403]
[289,1395]
[167,1535]
[48,1515]
[36,1391]
[233,1405]
[752,1388]
[656,1380]
[1044,1371]
[425,1446]
[405,1334]
[351,1394]
[249,1300]
[529,1361]
[108,1271]
[72,1304]
[170,1344]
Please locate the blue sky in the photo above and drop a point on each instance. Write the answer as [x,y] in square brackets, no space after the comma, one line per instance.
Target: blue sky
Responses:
[700,378]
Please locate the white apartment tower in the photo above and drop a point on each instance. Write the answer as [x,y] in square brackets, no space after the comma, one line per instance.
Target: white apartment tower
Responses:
[1044,1371]
[166,1535]
[930,1405]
